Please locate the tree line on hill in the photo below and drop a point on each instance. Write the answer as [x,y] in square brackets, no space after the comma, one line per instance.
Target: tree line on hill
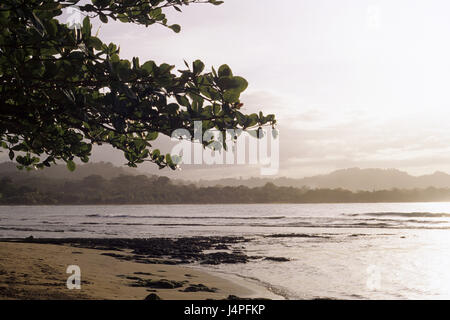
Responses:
[141,189]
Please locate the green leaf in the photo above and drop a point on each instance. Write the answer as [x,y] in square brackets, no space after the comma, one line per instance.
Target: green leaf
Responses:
[241,118]
[198,66]
[252,120]
[96,43]
[175,27]
[103,18]
[122,17]
[149,66]
[70,165]
[225,71]
[231,96]
[155,154]
[86,26]
[152,135]
[172,108]
[183,101]
[241,83]
[232,83]
[37,24]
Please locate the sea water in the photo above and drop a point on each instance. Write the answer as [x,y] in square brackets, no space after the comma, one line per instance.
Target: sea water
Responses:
[335,251]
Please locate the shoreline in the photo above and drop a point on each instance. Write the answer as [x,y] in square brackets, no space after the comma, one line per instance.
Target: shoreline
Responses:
[261,288]
[253,288]
[38,271]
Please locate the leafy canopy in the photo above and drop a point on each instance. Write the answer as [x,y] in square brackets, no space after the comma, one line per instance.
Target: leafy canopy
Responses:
[63,89]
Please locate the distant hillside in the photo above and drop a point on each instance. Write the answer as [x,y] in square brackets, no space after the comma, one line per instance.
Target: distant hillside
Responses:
[353,179]
[104,169]
[142,189]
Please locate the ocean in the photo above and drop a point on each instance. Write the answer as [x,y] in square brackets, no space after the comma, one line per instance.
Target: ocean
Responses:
[335,251]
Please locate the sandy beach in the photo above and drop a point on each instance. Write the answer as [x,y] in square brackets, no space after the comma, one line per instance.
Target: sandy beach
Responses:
[38,271]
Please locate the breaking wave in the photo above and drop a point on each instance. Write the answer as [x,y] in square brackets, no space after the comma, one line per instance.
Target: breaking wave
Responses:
[403,214]
[185,217]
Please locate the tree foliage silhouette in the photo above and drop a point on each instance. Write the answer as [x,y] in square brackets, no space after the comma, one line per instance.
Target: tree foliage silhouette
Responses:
[63,90]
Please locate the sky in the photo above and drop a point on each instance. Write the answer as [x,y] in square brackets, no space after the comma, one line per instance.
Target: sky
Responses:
[353,83]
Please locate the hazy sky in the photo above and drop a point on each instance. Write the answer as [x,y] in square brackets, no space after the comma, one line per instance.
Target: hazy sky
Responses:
[352,82]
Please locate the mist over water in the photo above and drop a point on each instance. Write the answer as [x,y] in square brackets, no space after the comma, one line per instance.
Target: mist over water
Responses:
[346,251]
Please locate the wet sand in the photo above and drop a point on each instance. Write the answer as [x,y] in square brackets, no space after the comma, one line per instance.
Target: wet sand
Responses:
[38,271]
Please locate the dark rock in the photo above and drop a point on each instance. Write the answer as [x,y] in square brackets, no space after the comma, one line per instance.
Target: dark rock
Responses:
[199,287]
[278,259]
[152,296]
[143,273]
[170,262]
[221,247]
[295,235]
[158,284]
[223,257]
[161,250]
[114,255]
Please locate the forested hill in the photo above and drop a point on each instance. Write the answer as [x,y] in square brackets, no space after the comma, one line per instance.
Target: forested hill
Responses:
[104,169]
[353,179]
[141,189]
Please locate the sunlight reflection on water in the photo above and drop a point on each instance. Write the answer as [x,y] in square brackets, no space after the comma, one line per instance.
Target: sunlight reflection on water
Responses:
[350,251]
